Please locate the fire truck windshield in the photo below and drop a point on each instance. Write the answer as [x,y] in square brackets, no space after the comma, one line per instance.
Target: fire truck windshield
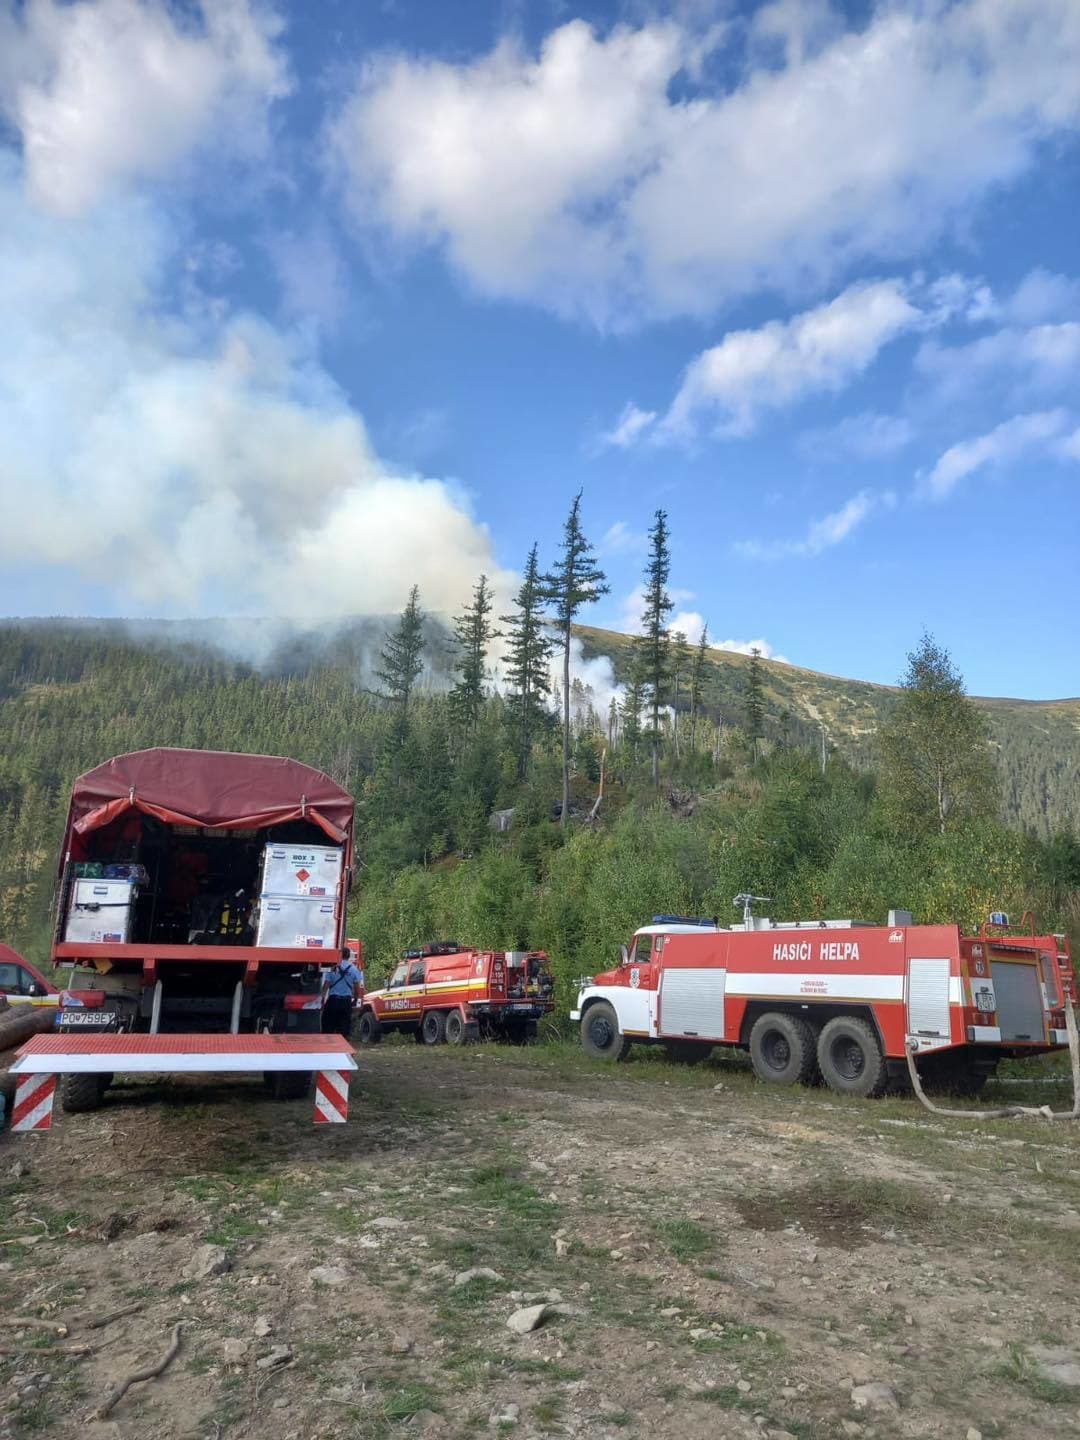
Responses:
[397,978]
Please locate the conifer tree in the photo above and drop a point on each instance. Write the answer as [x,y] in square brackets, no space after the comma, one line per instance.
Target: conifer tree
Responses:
[654,646]
[755,702]
[575,581]
[527,660]
[937,769]
[472,635]
[697,682]
[402,659]
[632,706]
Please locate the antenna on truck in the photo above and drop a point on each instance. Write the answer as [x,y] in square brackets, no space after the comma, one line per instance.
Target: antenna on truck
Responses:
[748,902]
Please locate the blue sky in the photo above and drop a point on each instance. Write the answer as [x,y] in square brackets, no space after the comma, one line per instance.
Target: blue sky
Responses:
[306,303]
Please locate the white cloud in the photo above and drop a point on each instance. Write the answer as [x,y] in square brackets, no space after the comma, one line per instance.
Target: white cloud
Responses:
[689,623]
[115,92]
[823,349]
[581,178]
[1042,360]
[199,461]
[747,647]
[633,607]
[311,273]
[822,534]
[619,539]
[866,436]
[628,428]
[1023,435]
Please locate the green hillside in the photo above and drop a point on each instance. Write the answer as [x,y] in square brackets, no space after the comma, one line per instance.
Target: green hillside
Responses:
[1037,742]
[72,694]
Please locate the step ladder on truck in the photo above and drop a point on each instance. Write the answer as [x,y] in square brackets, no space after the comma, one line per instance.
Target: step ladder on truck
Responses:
[201,896]
[847,1002]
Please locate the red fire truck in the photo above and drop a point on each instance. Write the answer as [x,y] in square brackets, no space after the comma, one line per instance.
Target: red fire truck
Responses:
[839,1000]
[445,992]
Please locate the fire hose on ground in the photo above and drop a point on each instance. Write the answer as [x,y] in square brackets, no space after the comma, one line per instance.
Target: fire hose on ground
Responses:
[1008,1112]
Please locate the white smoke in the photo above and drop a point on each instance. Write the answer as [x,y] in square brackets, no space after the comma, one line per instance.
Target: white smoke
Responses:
[191,458]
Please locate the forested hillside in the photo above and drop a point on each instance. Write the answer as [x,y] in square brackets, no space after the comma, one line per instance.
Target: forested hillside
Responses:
[1037,743]
[730,814]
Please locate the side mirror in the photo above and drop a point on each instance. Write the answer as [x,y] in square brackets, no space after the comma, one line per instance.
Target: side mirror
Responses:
[624,955]
[35,990]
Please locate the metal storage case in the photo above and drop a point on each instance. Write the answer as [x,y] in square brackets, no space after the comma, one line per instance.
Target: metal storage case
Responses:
[100,912]
[300,894]
[313,871]
[297,923]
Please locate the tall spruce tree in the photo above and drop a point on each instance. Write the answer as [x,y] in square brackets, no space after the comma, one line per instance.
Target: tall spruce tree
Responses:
[528,656]
[575,581]
[654,644]
[937,769]
[402,660]
[755,702]
[472,636]
[697,682]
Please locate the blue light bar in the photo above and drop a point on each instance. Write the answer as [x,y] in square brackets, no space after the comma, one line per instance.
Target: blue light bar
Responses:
[683,920]
[999,918]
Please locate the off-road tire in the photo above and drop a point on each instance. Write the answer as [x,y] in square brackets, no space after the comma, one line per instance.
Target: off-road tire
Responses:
[601,1038]
[80,1092]
[291,1084]
[368,1029]
[687,1052]
[433,1027]
[455,1029]
[783,1049]
[849,1057]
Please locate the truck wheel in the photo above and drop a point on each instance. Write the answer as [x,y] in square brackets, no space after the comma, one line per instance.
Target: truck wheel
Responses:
[850,1057]
[291,1084]
[601,1038]
[455,1028]
[80,1092]
[368,1029]
[687,1052]
[782,1049]
[433,1029]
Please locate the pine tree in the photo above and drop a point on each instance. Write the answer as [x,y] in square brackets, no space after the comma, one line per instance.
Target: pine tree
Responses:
[755,702]
[632,706]
[528,657]
[654,646]
[472,635]
[402,659]
[937,769]
[576,581]
[697,682]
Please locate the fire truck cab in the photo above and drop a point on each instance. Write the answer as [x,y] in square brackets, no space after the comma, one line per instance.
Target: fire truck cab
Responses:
[446,992]
[835,1000]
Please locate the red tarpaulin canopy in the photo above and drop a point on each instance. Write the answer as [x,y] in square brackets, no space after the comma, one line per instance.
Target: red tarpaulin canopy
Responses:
[211,788]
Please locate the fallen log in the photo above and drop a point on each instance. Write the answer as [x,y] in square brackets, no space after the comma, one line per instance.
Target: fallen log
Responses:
[17,1025]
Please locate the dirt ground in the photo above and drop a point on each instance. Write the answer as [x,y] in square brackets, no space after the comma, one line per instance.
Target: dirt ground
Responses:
[717,1259]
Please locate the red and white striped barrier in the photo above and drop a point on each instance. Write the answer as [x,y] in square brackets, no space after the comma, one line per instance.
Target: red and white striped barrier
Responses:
[331,1097]
[34,1096]
[46,1057]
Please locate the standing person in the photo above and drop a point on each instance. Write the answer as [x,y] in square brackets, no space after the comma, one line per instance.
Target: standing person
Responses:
[344,984]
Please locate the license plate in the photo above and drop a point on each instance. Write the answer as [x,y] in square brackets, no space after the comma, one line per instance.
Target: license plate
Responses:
[89,1019]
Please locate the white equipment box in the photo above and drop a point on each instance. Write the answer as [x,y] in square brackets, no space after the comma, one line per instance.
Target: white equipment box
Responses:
[312,871]
[297,923]
[101,912]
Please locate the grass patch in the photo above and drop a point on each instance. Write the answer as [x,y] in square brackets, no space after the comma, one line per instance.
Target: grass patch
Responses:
[405,1403]
[686,1239]
[1020,1369]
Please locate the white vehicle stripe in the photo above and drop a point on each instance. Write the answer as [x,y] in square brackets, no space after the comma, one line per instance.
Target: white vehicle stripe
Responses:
[58,1063]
